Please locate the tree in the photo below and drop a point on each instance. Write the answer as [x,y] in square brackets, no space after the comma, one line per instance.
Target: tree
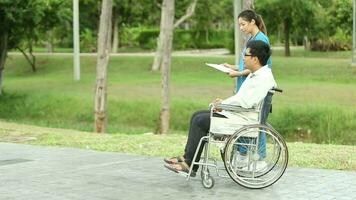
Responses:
[158,60]
[104,42]
[246,5]
[130,13]
[166,35]
[11,16]
[292,16]
[20,22]
[57,14]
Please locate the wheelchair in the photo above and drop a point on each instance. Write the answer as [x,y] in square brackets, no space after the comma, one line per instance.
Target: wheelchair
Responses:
[253,153]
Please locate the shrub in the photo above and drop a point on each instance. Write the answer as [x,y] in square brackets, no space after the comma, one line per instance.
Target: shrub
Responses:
[230,42]
[128,36]
[316,124]
[146,38]
[88,41]
[338,42]
[211,39]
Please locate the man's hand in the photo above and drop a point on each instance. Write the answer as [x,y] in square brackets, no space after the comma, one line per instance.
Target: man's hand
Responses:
[216,102]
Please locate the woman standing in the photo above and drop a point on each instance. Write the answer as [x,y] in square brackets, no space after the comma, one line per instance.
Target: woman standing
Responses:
[251,24]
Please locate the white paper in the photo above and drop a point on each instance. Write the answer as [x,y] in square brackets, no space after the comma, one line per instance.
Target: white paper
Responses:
[219,67]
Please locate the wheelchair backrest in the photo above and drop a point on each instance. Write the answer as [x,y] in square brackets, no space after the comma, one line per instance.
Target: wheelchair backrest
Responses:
[267,105]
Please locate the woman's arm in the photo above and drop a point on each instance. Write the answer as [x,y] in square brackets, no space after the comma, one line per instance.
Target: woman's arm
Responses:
[235,73]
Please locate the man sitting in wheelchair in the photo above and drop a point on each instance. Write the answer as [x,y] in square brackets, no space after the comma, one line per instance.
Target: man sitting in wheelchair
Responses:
[250,96]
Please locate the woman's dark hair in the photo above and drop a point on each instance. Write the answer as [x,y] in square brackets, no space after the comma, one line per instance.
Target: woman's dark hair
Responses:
[249,15]
[259,49]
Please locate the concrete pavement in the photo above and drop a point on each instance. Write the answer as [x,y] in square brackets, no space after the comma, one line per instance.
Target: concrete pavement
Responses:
[46,173]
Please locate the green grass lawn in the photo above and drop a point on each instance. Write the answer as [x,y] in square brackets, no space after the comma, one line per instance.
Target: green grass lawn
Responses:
[317,104]
[298,51]
[324,156]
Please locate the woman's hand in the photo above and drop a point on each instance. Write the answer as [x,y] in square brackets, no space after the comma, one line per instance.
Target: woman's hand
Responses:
[234,73]
[228,66]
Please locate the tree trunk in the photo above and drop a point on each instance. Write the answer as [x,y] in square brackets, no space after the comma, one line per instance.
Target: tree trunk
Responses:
[31,59]
[279,40]
[49,47]
[49,43]
[240,37]
[306,43]
[115,43]
[167,38]
[188,13]
[159,51]
[207,35]
[104,41]
[248,4]
[3,54]
[286,37]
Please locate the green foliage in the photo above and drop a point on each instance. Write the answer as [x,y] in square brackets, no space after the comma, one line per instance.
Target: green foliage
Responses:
[230,43]
[212,15]
[128,36]
[316,124]
[137,13]
[28,21]
[340,14]
[327,24]
[183,39]
[205,39]
[51,20]
[147,38]
[338,42]
[326,37]
[88,41]
[297,15]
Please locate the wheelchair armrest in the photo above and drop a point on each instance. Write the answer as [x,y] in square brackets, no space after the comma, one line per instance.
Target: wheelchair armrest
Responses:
[233,108]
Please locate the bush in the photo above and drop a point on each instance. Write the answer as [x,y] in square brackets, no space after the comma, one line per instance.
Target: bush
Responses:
[88,41]
[338,42]
[230,43]
[211,39]
[146,38]
[128,36]
[319,124]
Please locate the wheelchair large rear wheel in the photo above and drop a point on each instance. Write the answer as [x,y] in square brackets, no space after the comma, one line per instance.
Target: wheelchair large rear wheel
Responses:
[256,156]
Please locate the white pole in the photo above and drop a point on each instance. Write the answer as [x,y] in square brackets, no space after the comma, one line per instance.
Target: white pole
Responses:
[237,10]
[76,49]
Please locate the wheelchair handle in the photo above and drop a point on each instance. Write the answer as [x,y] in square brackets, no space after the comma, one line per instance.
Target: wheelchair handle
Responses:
[277,90]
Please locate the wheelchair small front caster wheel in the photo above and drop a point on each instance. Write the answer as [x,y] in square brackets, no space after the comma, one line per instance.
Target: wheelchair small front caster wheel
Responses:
[208,182]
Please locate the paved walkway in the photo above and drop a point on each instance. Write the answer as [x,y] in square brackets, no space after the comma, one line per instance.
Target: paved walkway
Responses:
[46,173]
